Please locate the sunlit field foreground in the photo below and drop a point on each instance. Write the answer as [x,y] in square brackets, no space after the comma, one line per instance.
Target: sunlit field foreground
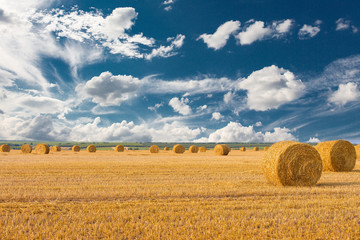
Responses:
[138,195]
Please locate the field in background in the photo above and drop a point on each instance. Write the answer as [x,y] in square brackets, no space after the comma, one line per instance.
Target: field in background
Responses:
[138,195]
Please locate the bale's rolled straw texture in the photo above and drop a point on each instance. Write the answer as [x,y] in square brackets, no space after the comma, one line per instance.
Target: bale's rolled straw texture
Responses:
[4,148]
[154,149]
[119,148]
[56,148]
[243,149]
[266,148]
[337,156]
[357,149]
[75,148]
[26,148]
[166,148]
[178,148]
[222,149]
[202,149]
[193,149]
[91,148]
[289,163]
[42,148]
[256,148]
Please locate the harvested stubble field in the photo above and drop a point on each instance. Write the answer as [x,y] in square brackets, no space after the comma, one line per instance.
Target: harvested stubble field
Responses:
[139,195]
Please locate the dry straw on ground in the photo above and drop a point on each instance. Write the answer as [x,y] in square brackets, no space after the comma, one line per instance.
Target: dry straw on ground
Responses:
[42,148]
[337,156]
[26,148]
[266,148]
[178,148]
[256,148]
[193,149]
[119,148]
[56,148]
[75,148]
[154,149]
[222,149]
[357,149]
[202,149]
[91,148]
[166,148]
[243,149]
[289,163]
[4,148]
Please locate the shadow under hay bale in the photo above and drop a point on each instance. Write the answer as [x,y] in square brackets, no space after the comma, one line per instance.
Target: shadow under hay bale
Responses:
[289,163]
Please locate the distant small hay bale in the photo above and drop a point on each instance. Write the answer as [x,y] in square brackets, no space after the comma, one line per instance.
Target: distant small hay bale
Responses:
[119,148]
[178,148]
[26,148]
[289,163]
[154,149]
[266,148]
[75,148]
[243,149]
[166,148]
[5,148]
[256,148]
[91,148]
[337,156]
[222,149]
[56,148]
[42,148]
[193,149]
[357,149]
[202,149]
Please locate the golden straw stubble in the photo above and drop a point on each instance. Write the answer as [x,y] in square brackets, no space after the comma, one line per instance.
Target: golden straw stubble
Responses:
[5,148]
[119,148]
[42,148]
[154,149]
[26,148]
[290,163]
[91,148]
[178,148]
[337,156]
[56,148]
[75,148]
[193,149]
[222,149]
[202,149]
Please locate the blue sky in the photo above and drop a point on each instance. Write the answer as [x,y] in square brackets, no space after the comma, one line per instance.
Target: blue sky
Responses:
[179,70]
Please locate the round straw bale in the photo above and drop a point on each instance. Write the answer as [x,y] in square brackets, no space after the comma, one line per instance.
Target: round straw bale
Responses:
[4,148]
[222,149]
[256,148]
[202,149]
[75,148]
[91,148]
[178,148]
[26,148]
[266,148]
[289,163]
[154,149]
[42,148]
[119,148]
[243,149]
[166,148]
[56,148]
[337,156]
[193,149]
[357,149]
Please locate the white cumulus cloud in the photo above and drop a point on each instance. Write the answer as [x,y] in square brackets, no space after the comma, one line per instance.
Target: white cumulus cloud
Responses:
[216,116]
[167,51]
[346,93]
[313,140]
[180,105]
[309,31]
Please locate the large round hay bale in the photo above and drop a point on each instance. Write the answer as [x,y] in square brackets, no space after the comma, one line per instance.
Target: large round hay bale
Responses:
[337,156]
[193,149]
[266,148]
[166,148]
[42,148]
[256,148]
[243,149]
[91,148]
[26,148]
[178,148]
[202,149]
[5,148]
[222,149]
[289,163]
[75,148]
[56,148]
[357,149]
[119,148]
[154,149]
